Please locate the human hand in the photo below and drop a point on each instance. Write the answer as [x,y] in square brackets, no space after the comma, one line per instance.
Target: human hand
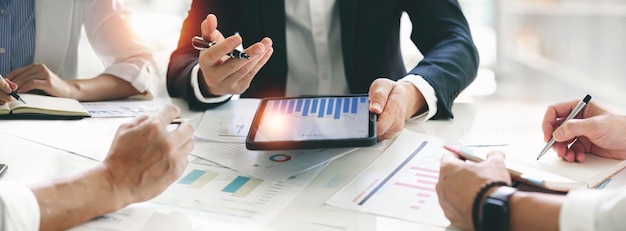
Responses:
[144,158]
[38,76]
[7,87]
[459,182]
[394,102]
[595,130]
[223,75]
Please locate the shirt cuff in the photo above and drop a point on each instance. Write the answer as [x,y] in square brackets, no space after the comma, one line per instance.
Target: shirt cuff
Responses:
[19,209]
[572,216]
[196,89]
[429,95]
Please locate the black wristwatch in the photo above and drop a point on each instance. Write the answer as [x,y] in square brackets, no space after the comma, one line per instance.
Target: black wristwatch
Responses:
[495,210]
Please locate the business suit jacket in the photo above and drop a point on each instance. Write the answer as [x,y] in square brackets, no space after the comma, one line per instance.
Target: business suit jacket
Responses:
[58,30]
[370,31]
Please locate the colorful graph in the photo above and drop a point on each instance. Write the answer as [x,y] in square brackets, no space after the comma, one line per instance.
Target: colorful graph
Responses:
[400,183]
[322,107]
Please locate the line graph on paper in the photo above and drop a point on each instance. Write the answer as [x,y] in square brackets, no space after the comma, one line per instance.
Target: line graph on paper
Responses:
[401,183]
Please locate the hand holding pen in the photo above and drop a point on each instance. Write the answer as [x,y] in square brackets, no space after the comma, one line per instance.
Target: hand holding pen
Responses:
[8,88]
[574,111]
[219,74]
[200,44]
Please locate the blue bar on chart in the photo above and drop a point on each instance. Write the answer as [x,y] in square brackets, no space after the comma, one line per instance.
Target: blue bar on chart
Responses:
[191,177]
[337,109]
[329,109]
[320,113]
[314,106]
[291,105]
[236,184]
[299,105]
[305,110]
[346,106]
[355,104]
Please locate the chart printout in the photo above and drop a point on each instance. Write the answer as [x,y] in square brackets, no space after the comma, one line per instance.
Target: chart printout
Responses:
[400,183]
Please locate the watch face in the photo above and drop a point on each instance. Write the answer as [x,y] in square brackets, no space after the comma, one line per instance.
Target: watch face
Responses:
[495,211]
[495,215]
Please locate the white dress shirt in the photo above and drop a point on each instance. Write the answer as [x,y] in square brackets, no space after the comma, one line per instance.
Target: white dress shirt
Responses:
[603,209]
[315,58]
[107,25]
[19,209]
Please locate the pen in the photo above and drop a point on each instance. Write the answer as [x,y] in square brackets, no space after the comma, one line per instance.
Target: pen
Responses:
[579,107]
[200,44]
[16,96]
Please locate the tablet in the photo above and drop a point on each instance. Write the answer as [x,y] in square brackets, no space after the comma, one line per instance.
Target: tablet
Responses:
[312,122]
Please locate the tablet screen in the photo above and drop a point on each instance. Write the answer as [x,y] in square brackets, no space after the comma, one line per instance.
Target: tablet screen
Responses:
[313,118]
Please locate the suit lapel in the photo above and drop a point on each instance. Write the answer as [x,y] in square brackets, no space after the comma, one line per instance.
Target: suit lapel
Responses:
[53,20]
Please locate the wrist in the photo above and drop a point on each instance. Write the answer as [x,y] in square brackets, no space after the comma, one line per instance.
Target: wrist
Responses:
[117,196]
[417,103]
[495,212]
[483,192]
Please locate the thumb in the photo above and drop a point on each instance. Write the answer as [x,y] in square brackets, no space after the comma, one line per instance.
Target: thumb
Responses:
[496,156]
[573,128]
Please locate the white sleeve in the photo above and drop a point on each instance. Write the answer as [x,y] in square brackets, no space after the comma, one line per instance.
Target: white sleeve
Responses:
[19,209]
[196,88]
[121,50]
[603,209]
[429,95]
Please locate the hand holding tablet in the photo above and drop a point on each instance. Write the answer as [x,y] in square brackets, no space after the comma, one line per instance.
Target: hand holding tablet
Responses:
[312,122]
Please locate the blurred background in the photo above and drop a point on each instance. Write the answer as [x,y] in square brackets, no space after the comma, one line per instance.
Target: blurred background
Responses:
[530,50]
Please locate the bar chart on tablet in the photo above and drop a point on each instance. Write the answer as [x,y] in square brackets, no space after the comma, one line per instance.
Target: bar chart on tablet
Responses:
[314,118]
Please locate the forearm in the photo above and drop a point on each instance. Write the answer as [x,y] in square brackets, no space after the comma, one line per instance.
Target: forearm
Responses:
[535,211]
[102,87]
[68,202]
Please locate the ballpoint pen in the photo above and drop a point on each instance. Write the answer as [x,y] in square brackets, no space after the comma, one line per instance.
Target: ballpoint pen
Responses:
[200,44]
[579,107]
[16,96]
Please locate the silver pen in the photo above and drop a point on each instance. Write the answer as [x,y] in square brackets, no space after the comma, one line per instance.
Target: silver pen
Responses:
[579,107]
[200,44]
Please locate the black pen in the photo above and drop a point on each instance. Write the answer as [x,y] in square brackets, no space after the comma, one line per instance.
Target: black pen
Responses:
[16,96]
[200,44]
[579,107]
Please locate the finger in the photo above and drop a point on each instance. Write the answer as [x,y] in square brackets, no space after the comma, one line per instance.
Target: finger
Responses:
[209,29]
[578,148]
[569,156]
[12,85]
[554,114]
[257,67]
[378,93]
[495,156]
[168,114]
[574,128]
[20,71]
[134,122]
[217,53]
[31,84]
[448,159]
[5,86]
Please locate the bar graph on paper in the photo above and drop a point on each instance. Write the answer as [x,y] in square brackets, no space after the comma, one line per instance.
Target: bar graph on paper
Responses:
[401,183]
[218,194]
